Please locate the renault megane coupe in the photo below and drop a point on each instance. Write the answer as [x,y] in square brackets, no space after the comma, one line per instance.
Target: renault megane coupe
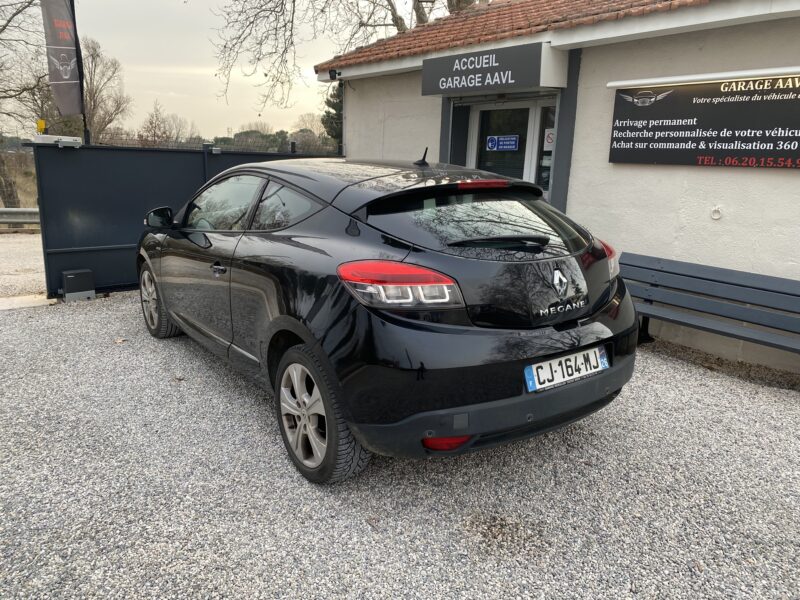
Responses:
[393,308]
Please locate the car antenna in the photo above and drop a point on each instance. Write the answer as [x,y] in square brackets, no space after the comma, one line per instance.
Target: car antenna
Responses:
[422,162]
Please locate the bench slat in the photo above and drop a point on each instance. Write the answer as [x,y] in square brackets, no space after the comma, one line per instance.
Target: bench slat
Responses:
[720,308]
[782,342]
[767,283]
[767,299]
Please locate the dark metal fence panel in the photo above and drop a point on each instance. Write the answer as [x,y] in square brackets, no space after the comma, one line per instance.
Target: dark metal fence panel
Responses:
[93,199]
[217,163]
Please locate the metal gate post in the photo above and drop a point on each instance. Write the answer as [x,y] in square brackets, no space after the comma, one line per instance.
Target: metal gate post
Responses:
[206,149]
[37,167]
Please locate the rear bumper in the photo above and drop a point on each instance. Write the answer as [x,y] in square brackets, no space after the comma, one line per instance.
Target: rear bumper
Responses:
[392,369]
[500,421]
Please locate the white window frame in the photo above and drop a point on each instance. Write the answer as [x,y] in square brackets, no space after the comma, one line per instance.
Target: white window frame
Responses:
[532,135]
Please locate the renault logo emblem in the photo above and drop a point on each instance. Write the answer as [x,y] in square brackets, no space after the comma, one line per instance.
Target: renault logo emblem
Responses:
[560,283]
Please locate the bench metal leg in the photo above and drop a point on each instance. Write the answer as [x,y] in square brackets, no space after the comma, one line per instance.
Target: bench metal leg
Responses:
[644,331]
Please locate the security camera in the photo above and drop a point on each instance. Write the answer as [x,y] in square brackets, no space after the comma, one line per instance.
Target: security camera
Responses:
[333,74]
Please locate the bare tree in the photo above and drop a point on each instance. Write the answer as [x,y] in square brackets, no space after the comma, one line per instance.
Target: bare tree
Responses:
[261,36]
[117,134]
[259,126]
[180,128]
[21,43]
[310,121]
[37,103]
[104,98]
[166,129]
[155,131]
[9,198]
[105,102]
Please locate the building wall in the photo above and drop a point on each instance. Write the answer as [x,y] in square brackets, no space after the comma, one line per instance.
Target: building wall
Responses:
[666,210]
[388,118]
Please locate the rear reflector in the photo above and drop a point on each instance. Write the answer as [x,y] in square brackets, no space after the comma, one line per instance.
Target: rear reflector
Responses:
[613,259]
[445,443]
[483,184]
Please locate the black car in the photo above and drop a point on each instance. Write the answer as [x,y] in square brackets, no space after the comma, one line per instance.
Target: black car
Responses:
[393,308]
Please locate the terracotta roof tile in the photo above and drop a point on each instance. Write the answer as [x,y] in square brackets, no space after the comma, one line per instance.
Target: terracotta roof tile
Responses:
[502,19]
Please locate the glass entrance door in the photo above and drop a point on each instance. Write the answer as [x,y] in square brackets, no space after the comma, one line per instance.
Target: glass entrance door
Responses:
[513,138]
[547,142]
[502,141]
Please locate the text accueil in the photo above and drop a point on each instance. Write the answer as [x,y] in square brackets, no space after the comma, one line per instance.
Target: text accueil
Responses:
[485,64]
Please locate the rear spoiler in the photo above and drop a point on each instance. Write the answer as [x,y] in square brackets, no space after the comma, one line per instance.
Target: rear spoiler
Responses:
[444,189]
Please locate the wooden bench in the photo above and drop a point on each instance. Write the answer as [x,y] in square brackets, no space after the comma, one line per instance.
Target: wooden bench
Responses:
[666,289]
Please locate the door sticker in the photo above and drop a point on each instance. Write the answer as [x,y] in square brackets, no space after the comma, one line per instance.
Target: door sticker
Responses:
[502,143]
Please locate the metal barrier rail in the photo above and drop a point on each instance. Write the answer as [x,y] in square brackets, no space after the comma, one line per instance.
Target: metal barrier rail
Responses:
[19,216]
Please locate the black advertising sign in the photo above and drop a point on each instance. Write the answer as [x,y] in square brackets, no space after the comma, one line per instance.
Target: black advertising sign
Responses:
[499,70]
[734,123]
[63,56]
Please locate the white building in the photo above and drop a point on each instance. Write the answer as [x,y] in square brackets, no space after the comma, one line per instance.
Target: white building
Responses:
[553,95]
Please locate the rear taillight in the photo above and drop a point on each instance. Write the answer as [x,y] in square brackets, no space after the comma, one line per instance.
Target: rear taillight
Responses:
[445,443]
[613,259]
[390,284]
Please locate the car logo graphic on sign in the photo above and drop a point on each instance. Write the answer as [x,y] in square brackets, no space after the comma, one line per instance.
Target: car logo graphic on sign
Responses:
[63,65]
[645,97]
[560,282]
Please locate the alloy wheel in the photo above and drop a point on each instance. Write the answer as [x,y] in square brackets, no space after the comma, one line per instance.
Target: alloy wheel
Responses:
[303,413]
[149,295]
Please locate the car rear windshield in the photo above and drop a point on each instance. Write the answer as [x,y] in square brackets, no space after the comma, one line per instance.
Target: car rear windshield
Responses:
[485,224]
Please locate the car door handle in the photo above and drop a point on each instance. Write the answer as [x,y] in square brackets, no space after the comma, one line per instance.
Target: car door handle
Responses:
[218,269]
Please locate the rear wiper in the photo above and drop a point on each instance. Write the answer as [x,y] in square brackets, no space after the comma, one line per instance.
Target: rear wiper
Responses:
[504,241]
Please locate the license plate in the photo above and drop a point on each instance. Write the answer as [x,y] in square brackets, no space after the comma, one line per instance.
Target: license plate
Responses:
[557,371]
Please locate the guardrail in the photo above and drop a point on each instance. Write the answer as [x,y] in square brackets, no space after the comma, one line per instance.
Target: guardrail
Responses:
[19,216]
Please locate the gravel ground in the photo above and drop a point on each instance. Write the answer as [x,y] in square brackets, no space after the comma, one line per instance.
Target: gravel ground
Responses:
[22,267]
[136,467]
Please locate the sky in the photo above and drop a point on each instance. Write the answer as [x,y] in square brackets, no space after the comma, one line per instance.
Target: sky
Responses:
[166,51]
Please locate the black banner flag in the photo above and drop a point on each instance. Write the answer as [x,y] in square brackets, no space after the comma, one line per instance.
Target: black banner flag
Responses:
[63,56]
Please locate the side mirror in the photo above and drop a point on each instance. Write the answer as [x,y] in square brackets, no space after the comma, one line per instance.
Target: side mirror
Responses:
[160,218]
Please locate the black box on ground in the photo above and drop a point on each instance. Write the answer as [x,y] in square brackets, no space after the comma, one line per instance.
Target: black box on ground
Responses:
[78,285]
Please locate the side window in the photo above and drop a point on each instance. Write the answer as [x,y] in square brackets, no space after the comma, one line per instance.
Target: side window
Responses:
[224,206]
[282,206]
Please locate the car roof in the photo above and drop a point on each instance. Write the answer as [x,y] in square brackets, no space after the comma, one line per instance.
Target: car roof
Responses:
[351,183]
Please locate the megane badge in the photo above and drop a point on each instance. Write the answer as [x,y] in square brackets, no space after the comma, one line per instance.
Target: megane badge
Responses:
[645,98]
[560,283]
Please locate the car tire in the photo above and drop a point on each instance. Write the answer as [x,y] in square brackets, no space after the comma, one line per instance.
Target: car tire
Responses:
[155,315]
[306,392]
